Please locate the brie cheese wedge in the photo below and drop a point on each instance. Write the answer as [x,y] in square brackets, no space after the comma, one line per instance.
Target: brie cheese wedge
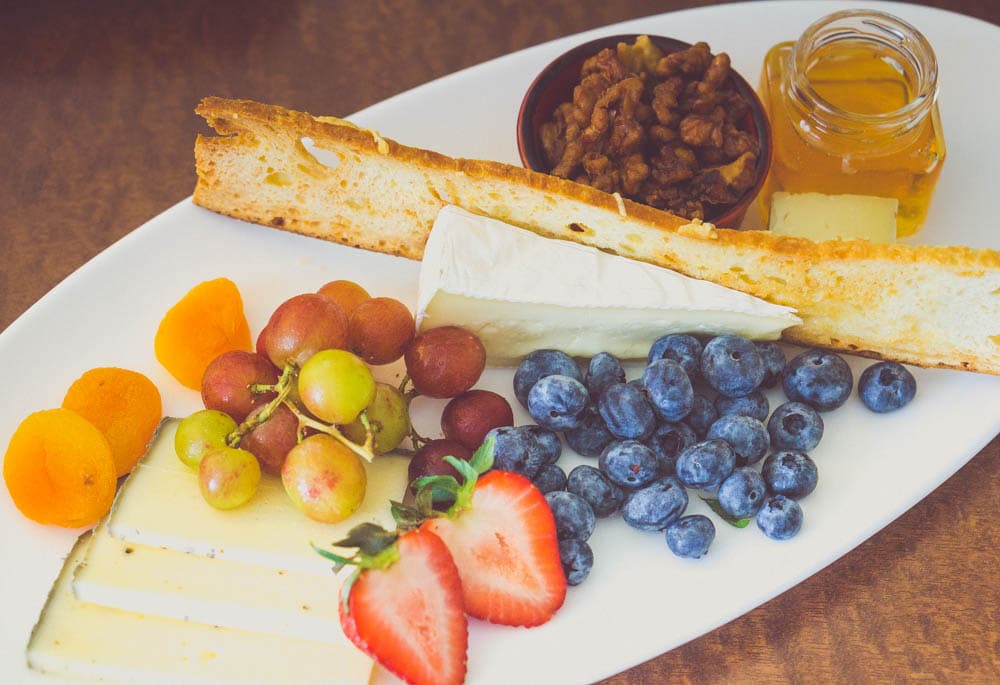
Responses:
[520,292]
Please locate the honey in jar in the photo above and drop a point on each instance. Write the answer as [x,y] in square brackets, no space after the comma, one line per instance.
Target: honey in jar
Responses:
[853,110]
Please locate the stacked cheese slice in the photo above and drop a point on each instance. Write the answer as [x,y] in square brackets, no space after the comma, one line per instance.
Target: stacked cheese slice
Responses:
[168,589]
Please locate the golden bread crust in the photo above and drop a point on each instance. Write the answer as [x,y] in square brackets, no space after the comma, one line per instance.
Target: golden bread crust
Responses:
[924,305]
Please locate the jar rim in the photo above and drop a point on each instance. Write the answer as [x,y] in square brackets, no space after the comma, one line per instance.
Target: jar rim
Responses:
[881,28]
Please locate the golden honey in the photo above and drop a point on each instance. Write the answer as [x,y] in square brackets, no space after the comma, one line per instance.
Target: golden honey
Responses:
[853,109]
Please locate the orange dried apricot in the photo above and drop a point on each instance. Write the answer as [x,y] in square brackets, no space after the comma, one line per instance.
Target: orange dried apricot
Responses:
[59,470]
[122,404]
[206,322]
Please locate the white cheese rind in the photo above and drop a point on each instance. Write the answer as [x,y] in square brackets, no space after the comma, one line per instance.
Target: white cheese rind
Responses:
[80,640]
[160,505]
[520,292]
[828,217]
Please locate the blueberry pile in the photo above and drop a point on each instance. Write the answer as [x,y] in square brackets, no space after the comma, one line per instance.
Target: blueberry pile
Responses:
[696,423]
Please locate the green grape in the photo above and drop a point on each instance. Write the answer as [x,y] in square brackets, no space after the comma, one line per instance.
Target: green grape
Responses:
[335,386]
[388,416]
[228,477]
[200,432]
[324,478]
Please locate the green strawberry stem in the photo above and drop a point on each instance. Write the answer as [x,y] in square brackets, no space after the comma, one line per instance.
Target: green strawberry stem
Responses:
[442,488]
[376,549]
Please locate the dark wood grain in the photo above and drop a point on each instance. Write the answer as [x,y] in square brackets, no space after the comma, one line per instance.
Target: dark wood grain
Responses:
[96,127]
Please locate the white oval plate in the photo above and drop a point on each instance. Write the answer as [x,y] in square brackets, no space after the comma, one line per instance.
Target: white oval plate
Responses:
[639,600]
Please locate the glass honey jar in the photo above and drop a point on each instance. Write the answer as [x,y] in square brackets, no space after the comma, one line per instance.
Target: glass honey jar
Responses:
[853,110]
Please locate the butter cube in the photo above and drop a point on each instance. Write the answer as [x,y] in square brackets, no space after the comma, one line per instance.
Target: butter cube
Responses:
[827,217]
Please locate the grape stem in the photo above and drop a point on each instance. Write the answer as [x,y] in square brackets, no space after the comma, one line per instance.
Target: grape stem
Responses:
[365,451]
[283,387]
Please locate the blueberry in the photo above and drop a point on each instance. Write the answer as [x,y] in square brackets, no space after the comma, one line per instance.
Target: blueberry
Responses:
[524,449]
[655,506]
[629,464]
[746,435]
[574,517]
[591,436]
[669,389]
[550,478]
[780,518]
[795,426]
[755,404]
[667,441]
[774,363]
[537,365]
[681,348]
[690,536]
[702,415]
[603,496]
[577,559]
[704,465]
[626,411]
[886,386]
[788,473]
[557,401]
[732,365]
[818,378]
[603,370]
[743,493]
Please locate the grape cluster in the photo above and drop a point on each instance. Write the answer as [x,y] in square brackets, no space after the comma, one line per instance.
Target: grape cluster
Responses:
[305,406]
[696,423]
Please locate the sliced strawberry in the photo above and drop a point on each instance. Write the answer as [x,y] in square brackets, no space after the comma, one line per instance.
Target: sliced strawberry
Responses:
[504,544]
[404,608]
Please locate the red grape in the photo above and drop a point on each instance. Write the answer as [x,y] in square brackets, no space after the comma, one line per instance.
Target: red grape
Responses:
[380,329]
[271,441]
[228,477]
[302,326]
[324,478]
[227,380]
[445,361]
[347,294]
[467,418]
[429,459]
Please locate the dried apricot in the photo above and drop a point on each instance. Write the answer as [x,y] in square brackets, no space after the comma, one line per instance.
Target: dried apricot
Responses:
[206,322]
[59,470]
[124,405]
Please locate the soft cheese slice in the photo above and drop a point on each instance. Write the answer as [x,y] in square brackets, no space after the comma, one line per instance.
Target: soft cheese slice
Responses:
[76,639]
[827,217]
[160,506]
[162,582]
[520,292]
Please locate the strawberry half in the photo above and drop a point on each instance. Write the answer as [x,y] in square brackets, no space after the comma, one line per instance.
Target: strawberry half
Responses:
[404,605]
[502,536]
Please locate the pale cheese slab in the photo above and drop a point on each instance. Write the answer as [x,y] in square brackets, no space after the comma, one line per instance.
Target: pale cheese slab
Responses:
[830,217]
[160,505]
[80,640]
[163,582]
[521,292]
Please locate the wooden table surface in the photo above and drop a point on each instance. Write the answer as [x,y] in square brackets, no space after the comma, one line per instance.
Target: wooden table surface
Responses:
[96,129]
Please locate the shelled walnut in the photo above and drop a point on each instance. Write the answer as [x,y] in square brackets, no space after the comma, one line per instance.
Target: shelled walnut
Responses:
[667,130]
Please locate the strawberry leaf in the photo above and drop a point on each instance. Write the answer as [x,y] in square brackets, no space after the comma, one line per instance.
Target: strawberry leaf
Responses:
[369,538]
[408,517]
[482,458]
